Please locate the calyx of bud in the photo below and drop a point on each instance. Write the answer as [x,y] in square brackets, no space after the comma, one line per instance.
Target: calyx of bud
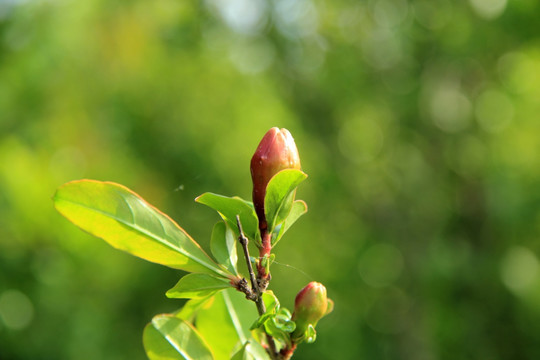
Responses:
[310,305]
[276,151]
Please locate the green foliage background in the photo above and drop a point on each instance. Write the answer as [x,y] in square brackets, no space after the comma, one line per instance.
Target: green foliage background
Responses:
[417,122]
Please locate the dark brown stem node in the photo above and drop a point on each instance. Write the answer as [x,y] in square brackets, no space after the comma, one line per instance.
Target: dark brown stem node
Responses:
[242,286]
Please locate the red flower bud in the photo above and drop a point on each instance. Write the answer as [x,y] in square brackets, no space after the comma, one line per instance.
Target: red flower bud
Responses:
[310,305]
[277,151]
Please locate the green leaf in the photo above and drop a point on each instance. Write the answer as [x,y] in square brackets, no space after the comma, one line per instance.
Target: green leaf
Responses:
[228,208]
[274,331]
[122,218]
[214,323]
[284,312]
[280,195]
[271,302]
[299,208]
[192,307]
[197,286]
[243,354]
[260,321]
[169,338]
[224,322]
[276,321]
[284,323]
[241,312]
[223,246]
[251,351]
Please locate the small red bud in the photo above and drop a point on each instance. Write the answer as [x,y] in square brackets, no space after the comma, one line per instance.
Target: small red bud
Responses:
[276,151]
[310,305]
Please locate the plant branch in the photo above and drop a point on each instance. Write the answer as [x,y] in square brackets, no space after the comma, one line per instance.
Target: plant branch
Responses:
[261,308]
[263,272]
[244,242]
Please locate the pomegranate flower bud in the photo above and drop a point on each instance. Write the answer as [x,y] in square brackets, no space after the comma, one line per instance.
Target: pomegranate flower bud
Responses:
[276,151]
[310,305]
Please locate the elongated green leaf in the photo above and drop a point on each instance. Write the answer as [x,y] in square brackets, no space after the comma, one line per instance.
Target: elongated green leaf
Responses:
[189,311]
[242,316]
[122,218]
[243,354]
[169,338]
[214,323]
[251,351]
[280,195]
[228,208]
[223,246]
[225,322]
[197,286]
[271,301]
[299,208]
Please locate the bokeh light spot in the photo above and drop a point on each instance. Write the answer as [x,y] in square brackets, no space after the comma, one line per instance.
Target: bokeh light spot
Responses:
[296,18]
[520,72]
[488,9]
[252,57]
[16,309]
[247,17]
[520,269]
[382,49]
[450,109]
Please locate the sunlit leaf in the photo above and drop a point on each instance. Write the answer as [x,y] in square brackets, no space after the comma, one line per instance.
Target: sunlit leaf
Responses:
[241,312]
[169,338]
[270,300]
[273,330]
[223,246]
[284,323]
[214,323]
[192,307]
[225,322]
[271,304]
[228,208]
[243,354]
[280,195]
[251,351]
[299,208]
[127,222]
[197,286]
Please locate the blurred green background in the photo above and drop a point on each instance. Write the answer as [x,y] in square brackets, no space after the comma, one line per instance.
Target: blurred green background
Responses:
[417,121]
